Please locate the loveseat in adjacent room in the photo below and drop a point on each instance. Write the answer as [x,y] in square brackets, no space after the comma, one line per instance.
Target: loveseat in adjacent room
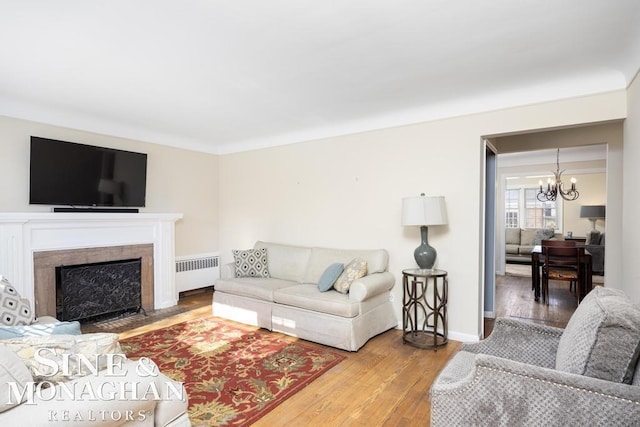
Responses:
[519,242]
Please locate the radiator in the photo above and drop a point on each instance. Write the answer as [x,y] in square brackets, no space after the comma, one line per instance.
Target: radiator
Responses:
[197,271]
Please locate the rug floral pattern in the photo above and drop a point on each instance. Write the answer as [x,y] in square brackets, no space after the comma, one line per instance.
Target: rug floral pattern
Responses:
[233,373]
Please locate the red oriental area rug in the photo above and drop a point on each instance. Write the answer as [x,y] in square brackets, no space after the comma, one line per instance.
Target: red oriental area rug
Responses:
[233,374]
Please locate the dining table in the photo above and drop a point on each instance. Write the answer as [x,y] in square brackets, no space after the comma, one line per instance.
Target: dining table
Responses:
[586,272]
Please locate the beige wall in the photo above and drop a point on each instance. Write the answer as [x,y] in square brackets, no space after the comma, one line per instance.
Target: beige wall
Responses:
[177,180]
[592,188]
[346,192]
[630,282]
[593,191]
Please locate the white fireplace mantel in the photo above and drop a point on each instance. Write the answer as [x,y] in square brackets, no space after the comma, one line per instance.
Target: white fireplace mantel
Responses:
[23,234]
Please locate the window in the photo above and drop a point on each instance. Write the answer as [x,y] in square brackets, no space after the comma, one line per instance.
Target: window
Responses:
[523,210]
[511,207]
[539,214]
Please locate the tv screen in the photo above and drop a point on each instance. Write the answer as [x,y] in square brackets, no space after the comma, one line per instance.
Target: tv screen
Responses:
[72,174]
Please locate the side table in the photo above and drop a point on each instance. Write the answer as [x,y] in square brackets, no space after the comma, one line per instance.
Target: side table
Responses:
[424,307]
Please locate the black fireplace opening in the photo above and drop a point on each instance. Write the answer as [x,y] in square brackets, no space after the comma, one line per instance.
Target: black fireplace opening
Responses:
[100,290]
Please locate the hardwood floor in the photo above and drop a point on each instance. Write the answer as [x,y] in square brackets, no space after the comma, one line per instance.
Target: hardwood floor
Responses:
[514,298]
[385,383]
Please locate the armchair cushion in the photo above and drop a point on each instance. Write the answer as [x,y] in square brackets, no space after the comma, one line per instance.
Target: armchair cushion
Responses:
[602,338]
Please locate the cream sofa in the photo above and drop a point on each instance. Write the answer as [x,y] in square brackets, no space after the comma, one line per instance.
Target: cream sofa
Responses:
[290,302]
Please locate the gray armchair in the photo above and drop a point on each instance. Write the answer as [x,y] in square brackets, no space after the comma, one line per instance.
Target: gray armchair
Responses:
[595,246]
[527,374]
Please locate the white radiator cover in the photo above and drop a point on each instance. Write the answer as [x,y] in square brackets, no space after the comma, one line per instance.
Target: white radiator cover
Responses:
[197,271]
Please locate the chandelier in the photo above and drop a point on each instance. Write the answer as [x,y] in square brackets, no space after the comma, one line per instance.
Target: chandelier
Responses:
[555,187]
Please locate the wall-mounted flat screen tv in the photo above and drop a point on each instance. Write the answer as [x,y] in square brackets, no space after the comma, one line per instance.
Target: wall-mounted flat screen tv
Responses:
[72,174]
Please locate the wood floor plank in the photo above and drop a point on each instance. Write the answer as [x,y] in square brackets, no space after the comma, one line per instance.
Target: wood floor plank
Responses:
[386,382]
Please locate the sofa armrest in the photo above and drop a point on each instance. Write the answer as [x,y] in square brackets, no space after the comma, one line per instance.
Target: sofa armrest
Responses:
[371,285]
[525,342]
[228,271]
[497,391]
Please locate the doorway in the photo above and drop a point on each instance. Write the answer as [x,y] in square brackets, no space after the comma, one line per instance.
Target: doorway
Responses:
[523,151]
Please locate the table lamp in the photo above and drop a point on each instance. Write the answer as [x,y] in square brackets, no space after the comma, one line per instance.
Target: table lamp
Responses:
[424,211]
[593,212]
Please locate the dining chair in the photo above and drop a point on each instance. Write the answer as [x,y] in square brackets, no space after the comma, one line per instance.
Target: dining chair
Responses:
[554,242]
[562,262]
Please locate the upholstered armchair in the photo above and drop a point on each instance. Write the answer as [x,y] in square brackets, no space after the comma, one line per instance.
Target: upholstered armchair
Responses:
[527,374]
[595,245]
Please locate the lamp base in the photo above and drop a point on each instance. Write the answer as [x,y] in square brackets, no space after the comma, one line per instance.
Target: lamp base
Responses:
[425,254]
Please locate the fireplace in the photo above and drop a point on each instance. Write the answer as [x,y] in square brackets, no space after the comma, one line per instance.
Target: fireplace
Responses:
[48,264]
[29,239]
[86,291]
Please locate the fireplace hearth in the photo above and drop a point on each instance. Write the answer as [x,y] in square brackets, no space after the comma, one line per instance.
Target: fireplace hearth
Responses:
[86,291]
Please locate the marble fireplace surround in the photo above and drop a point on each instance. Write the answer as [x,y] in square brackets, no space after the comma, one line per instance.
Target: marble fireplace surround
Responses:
[31,243]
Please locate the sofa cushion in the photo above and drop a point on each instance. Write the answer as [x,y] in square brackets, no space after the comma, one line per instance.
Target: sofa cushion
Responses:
[286,262]
[251,263]
[353,271]
[33,330]
[535,236]
[512,249]
[88,345]
[12,370]
[377,261]
[307,296]
[14,310]
[512,236]
[602,338]
[252,287]
[330,276]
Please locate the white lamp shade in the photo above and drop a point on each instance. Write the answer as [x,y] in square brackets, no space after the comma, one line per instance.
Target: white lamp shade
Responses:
[424,210]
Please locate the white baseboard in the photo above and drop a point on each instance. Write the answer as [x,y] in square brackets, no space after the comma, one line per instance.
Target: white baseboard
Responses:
[459,336]
[456,336]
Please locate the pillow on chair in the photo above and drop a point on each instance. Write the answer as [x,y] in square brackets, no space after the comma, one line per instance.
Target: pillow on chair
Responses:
[14,310]
[602,338]
[593,238]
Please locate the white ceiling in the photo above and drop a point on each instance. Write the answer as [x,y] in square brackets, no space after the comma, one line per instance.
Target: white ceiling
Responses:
[225,76]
